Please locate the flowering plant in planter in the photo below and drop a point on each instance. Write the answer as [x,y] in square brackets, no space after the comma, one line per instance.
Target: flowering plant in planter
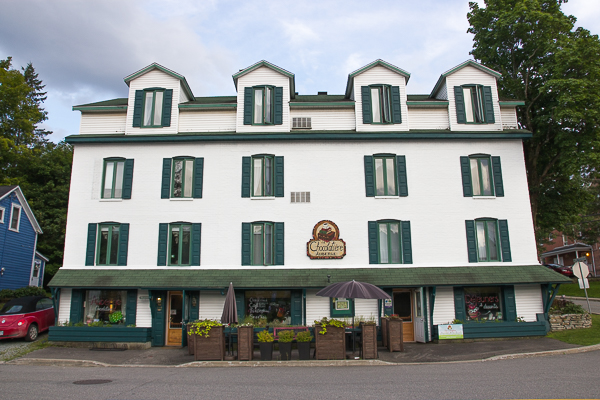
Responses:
[202,328]
[285,344]
[331,322]
[265,339]
[304,338]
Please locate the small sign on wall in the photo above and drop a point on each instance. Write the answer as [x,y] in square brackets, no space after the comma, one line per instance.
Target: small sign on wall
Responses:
[326,242]
[451,331]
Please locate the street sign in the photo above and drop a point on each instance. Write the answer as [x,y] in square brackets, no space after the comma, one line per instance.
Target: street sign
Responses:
[581,271]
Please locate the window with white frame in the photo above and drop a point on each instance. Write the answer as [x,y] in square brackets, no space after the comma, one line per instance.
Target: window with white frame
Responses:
[15,217]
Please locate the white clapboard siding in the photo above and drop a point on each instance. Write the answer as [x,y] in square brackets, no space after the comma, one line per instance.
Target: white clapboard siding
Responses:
[442,93]
[263,76]
[528,299]
[367,309]
[324,120]
[428,118]
[468,76]
[428,318]
[64,306]
[152,79]
[207,121]
[211,305]
[102,123]
[317,307]
[509,117]
[443,307]
[374,76]
[143,315]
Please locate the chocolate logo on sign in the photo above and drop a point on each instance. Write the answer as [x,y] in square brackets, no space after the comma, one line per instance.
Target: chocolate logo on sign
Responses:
[326,242]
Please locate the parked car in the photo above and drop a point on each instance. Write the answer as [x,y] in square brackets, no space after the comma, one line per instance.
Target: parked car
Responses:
[26,317]
[561,269]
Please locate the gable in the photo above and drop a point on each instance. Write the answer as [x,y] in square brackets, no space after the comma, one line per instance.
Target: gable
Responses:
[470,64]
[374,64]
[157,67]
[16,196]
[263,65]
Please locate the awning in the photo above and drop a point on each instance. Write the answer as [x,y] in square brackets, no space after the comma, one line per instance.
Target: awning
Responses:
[301,278]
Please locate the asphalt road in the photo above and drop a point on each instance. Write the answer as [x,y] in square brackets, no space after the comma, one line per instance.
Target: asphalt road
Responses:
[594,305]
[562,376]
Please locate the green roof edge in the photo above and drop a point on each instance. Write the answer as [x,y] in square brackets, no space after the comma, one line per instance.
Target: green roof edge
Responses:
[373,64]
[174,74]
[461,66]
[264,63]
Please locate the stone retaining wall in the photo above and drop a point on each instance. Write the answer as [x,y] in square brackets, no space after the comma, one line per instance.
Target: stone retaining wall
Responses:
[570,321]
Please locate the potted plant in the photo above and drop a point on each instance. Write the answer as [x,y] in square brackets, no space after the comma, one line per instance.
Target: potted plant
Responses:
[209,340]
[265,341]
[369,339]
[330,339]
[304,338]
[285,339]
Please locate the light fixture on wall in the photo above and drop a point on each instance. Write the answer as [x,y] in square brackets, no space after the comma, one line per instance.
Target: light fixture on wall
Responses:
[328,278]
[159,304]
[194,301]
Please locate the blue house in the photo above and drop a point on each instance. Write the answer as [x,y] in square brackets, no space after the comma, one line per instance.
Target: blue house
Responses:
[20,264]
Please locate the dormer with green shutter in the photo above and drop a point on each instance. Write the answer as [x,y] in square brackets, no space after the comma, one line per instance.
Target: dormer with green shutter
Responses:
[472,94]
[379,90]
[154,95]
[264,92]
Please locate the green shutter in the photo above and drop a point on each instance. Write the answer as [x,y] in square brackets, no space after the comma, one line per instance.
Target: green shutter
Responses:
[497,172]
[406,243]
[401,172]
[131,307]
[127,178]
[198,176]
[471,242]
[366,105]
[504,240]
[246,175]
[373,246]
[239,303]
[296,307]
[248,106]
[278,120]
[459,102]
[459,304]
[123,244]
[279,243]
[369,176]
[76,314]
[137,108]
[90,253]
[196,235]
[488,105]
[510,305]
[167,103]
[246,249]
[194,311]
[165,189]
[465,169]
[396,110]
[163,235]
[279,189]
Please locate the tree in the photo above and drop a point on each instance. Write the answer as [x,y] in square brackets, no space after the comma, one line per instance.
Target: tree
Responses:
[556,71]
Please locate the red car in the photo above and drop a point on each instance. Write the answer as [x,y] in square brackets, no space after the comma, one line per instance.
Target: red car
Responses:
[26,317]
[561,269]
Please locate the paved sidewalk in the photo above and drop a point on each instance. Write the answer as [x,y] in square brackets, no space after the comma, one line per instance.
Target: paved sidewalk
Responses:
[414,353]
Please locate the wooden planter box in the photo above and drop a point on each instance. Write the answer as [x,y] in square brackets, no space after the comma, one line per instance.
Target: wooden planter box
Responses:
[384,329]
[394,335]
[369,341]
[332,345]
[190,340]
[245,343]
[211,347]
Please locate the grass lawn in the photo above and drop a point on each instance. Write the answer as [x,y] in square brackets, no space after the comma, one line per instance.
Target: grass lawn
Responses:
[582,337]
[572,289]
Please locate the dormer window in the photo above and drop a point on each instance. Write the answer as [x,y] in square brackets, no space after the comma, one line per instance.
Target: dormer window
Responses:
[152,108]
[381,104]
[263,105]
[474,104]
[380,98]
[153,102]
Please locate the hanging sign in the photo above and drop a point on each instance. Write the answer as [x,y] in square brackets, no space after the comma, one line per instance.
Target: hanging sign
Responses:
[326,242]
[450,331]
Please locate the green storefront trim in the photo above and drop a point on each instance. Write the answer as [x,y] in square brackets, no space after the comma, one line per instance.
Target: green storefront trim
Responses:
[98,334]
[301,278]
[476,330]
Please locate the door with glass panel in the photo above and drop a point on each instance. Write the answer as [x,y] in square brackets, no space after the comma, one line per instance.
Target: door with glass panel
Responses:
[419,316]
[175,318]
[403,307]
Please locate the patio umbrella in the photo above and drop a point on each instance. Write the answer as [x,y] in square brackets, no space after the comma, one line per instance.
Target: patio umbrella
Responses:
[353,290]
[230,308]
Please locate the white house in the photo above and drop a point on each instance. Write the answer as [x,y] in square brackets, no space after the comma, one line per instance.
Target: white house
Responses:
[175,196]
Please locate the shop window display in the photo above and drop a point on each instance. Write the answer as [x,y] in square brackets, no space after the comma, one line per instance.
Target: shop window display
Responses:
[483,303]
[274,305]
[107,306]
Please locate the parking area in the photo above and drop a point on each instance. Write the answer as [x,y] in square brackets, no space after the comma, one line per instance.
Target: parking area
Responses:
[10,347]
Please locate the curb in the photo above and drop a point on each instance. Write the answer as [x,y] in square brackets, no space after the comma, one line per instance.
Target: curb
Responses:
[581,298]
[322,363]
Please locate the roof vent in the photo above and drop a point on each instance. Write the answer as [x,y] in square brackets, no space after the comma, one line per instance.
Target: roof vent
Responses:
[322,93]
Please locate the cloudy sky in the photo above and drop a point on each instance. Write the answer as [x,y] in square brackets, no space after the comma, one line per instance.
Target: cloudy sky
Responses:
[82,50]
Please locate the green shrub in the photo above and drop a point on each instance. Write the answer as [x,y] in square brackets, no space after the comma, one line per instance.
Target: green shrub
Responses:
[304,336]
[563,306]
[265,336]
[8,294]
[286,336]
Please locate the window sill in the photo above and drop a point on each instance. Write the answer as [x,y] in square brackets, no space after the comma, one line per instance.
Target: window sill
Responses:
[111,200]
[181,198]
[387,197]
[484,197]
[263,198]
[13,230]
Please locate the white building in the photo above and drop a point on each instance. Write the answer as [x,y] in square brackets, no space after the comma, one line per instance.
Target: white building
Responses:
[174,196]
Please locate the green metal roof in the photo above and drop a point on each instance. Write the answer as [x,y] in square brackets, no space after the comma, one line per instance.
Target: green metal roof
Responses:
[119,104]
[302,278]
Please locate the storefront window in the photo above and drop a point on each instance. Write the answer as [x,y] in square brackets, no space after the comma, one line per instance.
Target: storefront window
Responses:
[275,305]
[483,303]
[107,306]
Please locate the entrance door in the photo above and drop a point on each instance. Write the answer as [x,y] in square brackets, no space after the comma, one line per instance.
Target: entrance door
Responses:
[175,318]
[419,317]
[403,307]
